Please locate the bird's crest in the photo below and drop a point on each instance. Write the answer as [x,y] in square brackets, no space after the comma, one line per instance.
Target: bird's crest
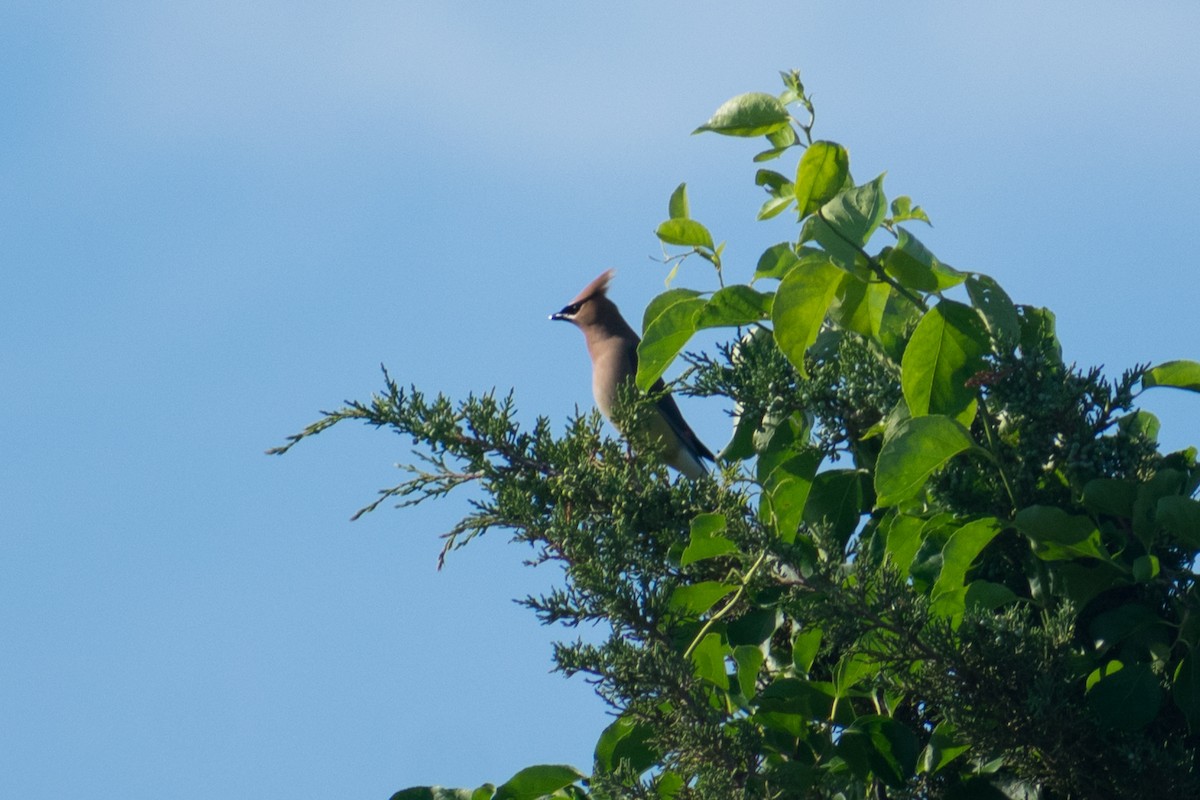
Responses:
[598,286]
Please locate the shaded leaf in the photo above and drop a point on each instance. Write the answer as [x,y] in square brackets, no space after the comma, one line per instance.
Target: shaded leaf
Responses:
[945,351]
[534,782]
[665,336]
[625,740]
[1057,535]
[1127,699]
[694,599]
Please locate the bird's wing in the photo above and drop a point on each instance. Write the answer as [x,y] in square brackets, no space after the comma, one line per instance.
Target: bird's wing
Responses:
[670,411]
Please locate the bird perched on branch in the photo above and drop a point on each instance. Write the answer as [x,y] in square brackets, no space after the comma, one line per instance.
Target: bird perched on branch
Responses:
[612,345]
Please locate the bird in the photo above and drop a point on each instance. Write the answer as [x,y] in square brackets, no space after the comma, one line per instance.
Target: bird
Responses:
[612,345]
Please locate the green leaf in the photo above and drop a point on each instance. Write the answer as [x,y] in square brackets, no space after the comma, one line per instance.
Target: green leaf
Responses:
[880,745]
[659,305]
[751,114]
[1110,496]
[911,263]
[846,222]
[997,309]
[706,540]
[534,782]
[1165,483]
[988,596]
[801,302]
[944,746]
[904,536]
[1181,517]
[805,647]
[708,661]
[773,207]
[749,660]
[903,210]
[820,175]
[1180,374]
[1038,332]
[433,793]
[685,232]
[755,627]
[625,741]
[949,595]
[694,599]
[786,487]
[776,261]
[733,306]
[666,335]
[1185,689]
[1145,568]
[1057,535]
[917,448]
[945,351]
[1127,699]
[677,206]
[835,499]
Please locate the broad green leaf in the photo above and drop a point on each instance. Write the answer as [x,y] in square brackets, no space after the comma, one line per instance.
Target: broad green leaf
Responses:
[534,782]
[891,316]
[706,540]
[1145,568]
[685,232]
[786,488]
[820,175]
[1165,483]
[664,301]
[625,741]
[665,336]
[880,746]
[773,207]
[1127,699]
[1185,689]
[776,183]
[1140,424]
[1080,582]
[1110,496]
[919,447]
[945,351]
[1038,332]
[904,536]
[851,310]
[776,261]
[850,670]
[749,660]
[694,599]
[835,499]
[751,114]
[846,222]
[1057,535]
[997,309]
[911,263]
[903,210]
[1181,517]
[668,784]
[810,700]
[677,207]
[1137,628]
[708,661]
[944,746]
[734,305]
[987,595]
[965,544]
[755,627]
[801,302]
[805,647]
[433,793]
[1180,374]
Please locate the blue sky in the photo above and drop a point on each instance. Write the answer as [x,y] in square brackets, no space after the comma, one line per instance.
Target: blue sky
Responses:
[218,218]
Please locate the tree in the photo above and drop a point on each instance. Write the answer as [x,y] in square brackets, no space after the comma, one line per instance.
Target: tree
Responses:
[935,561]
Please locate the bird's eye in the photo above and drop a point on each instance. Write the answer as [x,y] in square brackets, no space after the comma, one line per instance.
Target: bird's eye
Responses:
[572,309]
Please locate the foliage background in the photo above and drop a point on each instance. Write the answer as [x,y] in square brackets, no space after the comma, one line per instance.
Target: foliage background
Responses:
[220,219]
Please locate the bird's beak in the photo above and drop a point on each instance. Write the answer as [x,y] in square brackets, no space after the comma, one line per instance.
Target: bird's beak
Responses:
[561,316]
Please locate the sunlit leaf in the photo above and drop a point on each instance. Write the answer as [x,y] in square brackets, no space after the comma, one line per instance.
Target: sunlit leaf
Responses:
[534,782]
[1180,374]
[945,351]
[917,449]
[820,175]
[801,302]
[666,334]
[750,114]
[677,207]
[685,232]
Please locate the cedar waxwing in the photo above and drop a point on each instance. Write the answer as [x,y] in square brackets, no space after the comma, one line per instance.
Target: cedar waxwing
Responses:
[612,344]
